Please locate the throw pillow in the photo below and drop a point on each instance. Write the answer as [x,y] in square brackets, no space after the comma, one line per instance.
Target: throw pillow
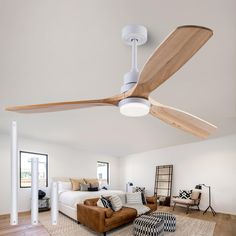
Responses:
[91,181]
[106,202]
[75,183]
[134,198]
[84,187]
[93,189]
[116,202]
[123,198]
[142,191]
[99,203]
[94,185]
[64,186]
[185,194]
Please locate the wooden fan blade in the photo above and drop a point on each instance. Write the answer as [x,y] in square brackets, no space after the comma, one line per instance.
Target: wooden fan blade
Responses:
[182,120]
[62,106]
[169,57]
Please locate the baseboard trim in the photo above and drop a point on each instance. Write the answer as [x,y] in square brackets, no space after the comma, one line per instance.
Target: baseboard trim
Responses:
[7,216]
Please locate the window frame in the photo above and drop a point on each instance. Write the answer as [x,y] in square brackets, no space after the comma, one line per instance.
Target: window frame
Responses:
[108,170]
[34,153]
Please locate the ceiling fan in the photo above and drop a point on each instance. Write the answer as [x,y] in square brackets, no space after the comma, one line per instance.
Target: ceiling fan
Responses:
[134,99]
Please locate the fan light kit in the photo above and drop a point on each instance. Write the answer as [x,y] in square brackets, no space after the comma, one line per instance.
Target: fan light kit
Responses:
[134,107]
[134,99]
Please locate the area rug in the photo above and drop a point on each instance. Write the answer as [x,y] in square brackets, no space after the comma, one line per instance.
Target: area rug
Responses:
[185,227]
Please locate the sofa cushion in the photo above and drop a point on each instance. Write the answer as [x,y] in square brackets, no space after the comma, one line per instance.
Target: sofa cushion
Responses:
[140,208]
[134,198]
[121,216]
[116,202]
[183,201]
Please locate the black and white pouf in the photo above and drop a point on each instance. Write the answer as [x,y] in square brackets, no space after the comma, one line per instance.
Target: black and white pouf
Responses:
[169,220]
[148,225]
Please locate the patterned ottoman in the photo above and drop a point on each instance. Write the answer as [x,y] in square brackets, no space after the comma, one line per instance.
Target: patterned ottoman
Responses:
[148,225]
[168,218]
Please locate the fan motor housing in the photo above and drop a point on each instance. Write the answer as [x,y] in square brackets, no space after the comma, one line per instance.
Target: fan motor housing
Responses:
[130,79]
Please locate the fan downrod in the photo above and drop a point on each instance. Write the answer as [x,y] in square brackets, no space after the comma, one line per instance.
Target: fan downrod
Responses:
[133,35]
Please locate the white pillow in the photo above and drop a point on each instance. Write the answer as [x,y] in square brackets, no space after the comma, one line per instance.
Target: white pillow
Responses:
[134,198]
[64,186]
[99,203]
[123,198]
[115,202]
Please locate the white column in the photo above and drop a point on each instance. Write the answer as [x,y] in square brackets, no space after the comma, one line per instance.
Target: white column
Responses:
[34,191]
[54,203]
[14,175]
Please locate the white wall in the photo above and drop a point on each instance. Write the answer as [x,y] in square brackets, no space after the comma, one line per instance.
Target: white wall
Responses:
[63,162]
[212,162]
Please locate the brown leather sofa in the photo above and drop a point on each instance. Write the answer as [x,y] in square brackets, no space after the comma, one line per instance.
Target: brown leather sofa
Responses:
[102,220]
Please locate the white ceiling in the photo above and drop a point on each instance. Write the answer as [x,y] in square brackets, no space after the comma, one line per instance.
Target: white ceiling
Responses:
[70,50]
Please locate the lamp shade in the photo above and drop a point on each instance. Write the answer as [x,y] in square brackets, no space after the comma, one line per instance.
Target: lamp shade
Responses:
[198,186]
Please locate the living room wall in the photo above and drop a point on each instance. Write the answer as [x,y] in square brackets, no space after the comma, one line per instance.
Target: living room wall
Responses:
[212,162]
[63,162]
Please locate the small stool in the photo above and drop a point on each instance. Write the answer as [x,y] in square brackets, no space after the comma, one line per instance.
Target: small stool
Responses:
[169,220]
[148,225]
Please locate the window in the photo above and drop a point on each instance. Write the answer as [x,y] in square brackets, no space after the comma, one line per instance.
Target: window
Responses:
[103,173]
[25,169]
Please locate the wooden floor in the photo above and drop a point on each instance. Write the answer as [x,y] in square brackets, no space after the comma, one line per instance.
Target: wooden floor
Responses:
[225,223]
[24,228]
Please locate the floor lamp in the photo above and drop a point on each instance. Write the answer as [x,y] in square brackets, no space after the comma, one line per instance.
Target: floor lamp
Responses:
[199,186]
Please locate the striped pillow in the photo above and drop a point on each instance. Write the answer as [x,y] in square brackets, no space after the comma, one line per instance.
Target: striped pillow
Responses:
[106,203]
[134,198]
[142,191]
[116,202]
[99,203]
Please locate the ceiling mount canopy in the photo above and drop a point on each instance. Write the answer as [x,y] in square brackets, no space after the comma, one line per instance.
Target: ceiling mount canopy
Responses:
[134,99]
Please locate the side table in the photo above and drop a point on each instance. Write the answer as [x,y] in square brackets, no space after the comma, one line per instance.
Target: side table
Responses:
[44,204]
